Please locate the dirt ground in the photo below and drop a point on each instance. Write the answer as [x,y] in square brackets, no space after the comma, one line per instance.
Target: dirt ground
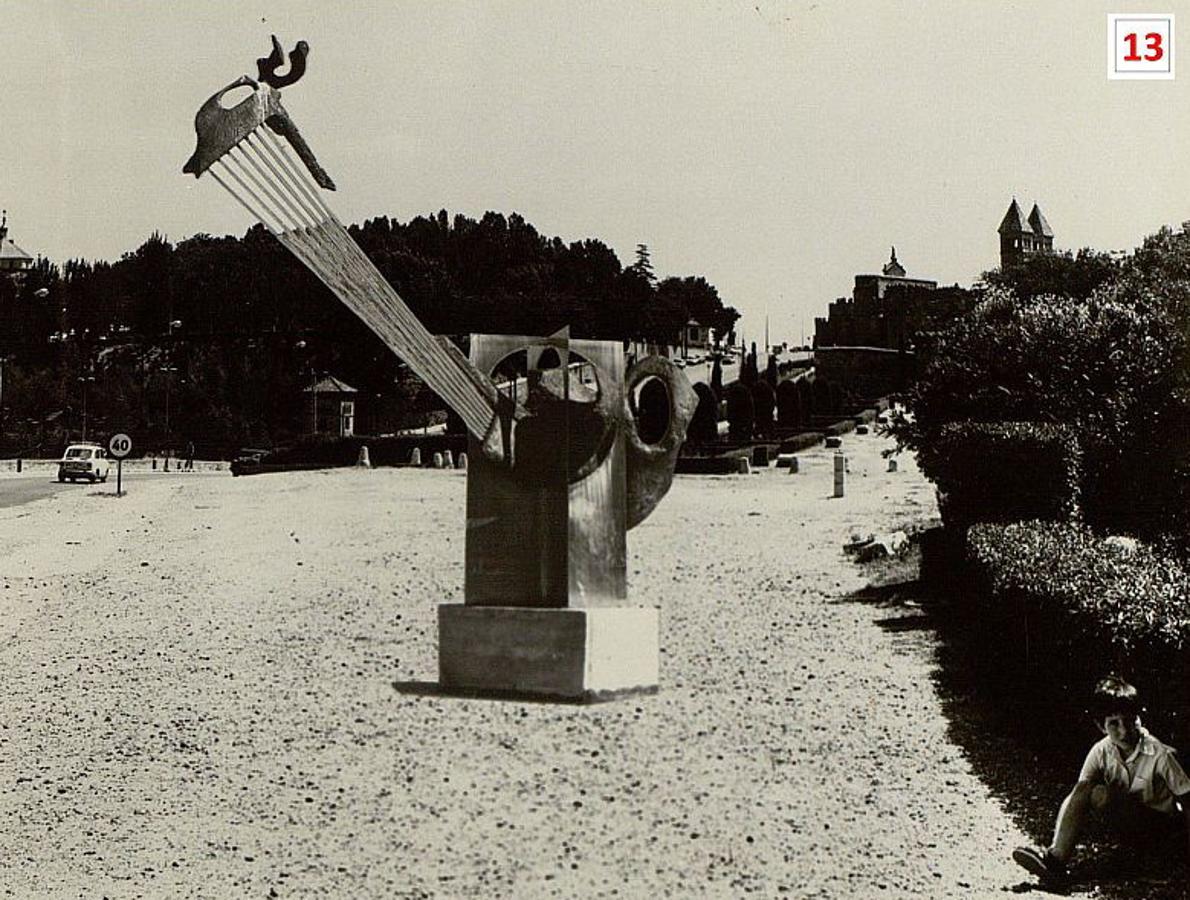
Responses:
[203,699]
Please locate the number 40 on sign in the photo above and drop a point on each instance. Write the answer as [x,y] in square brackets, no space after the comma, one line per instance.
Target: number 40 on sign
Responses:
[119,446]
[1140,45]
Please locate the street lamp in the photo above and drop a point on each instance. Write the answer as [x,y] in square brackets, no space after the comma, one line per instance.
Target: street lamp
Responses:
[314,399]
[86,380]
[3,360]
[302,345]
[169,370]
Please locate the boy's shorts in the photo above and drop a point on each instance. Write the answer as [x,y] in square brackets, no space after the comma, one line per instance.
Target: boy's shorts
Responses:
[1134,820]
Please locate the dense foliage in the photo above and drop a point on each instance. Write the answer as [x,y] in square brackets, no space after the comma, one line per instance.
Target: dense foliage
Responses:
[1053,608]
[226,331]
[1126,594]
[1004,472]
[1110,357]
[741,412]
[1063,274]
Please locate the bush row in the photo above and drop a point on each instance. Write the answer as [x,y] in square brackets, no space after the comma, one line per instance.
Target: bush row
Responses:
[1057,607]
[1005,472]
[382,451]
[839,428]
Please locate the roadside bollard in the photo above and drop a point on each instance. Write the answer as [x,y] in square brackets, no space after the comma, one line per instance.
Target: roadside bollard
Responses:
[892,465]
[154,463]
[18,465]
[462,463]
[840,474]
[415,457]
[742,465]
[437,459]
[448,459]
[364,461]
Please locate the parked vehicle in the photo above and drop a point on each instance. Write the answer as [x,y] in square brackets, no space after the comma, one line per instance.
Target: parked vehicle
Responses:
[87,461]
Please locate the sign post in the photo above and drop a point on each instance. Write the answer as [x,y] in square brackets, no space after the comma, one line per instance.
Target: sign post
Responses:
[120,445]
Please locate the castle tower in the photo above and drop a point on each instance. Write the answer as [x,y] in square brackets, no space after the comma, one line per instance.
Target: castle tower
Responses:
[893,268]
[1021,237]
[13,259]
[1016,236]
[1043,235]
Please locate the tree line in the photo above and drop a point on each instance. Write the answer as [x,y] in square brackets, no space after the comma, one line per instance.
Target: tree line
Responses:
[212,339]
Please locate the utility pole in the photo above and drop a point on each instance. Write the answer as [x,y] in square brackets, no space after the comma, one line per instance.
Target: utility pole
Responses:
[314,400]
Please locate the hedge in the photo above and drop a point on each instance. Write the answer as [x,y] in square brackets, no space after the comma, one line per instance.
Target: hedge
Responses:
[1005,472]
[839,428]
[1057,608]
[382,451]
[801,441]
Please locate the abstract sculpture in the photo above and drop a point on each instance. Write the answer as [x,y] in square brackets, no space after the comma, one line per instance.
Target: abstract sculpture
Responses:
[555,479]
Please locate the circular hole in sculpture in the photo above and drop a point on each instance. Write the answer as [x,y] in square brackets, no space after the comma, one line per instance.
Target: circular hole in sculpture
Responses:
[235,96]
[650,406]
[563,429]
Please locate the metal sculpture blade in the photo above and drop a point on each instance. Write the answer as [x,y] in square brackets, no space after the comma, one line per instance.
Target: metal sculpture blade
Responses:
[239,147]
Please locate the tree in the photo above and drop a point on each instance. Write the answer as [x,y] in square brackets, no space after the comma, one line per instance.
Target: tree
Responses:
[764,402]
[1056,274]
[740,413]
[771,374]
[644,264]
[704,426]
[1112,362]
[245,302]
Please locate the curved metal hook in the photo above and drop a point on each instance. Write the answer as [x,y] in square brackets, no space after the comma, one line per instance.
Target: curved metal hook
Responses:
[267,66]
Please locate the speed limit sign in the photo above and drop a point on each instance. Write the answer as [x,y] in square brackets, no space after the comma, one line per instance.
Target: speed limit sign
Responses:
[120,445]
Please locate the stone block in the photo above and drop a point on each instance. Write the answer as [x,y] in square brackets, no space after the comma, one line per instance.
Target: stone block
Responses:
[578,654]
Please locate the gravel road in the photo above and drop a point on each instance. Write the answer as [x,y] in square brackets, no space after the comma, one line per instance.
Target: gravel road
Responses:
[211,691]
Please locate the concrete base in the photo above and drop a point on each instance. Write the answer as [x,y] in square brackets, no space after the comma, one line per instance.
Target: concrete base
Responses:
[576,654]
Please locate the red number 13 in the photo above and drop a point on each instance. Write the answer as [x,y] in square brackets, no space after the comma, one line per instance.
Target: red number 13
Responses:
[1152,44]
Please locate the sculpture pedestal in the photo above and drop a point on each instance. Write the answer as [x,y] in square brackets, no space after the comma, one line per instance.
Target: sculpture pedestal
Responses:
[578,654]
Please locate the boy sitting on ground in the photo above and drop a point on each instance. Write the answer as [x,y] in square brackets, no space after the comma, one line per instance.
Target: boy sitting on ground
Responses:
[1130,777]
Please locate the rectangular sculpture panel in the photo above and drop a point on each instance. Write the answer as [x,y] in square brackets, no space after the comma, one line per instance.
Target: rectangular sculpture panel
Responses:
[533,539]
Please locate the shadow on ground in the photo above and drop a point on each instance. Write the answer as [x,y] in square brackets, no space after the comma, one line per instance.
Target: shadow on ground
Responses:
[1023,762]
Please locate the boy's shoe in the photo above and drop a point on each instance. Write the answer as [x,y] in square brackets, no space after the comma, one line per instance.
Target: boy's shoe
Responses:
[1040,863]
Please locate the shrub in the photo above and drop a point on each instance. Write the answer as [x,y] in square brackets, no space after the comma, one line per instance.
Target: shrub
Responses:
[1058,607]
[805,391]
[800,441]
[839,428]
[1109,362]
[1004,472]
[704,427]
[764,401]
[740,412]
[789,405]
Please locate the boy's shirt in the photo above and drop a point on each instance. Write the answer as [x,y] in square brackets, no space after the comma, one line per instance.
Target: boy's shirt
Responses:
[1151,774]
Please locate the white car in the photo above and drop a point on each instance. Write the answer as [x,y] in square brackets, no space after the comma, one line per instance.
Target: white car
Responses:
[87,461]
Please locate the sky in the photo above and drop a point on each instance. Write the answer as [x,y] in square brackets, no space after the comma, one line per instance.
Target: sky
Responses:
[776,149]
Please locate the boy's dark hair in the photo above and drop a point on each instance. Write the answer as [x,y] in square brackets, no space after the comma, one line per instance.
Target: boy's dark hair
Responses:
[1113,695]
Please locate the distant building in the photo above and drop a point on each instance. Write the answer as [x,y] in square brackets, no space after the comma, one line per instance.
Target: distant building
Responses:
[13,260]
[878,311]
[696,337]
[1021,237]
[332,407]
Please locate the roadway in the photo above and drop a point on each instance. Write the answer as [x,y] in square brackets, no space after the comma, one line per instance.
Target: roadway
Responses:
[37,486]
